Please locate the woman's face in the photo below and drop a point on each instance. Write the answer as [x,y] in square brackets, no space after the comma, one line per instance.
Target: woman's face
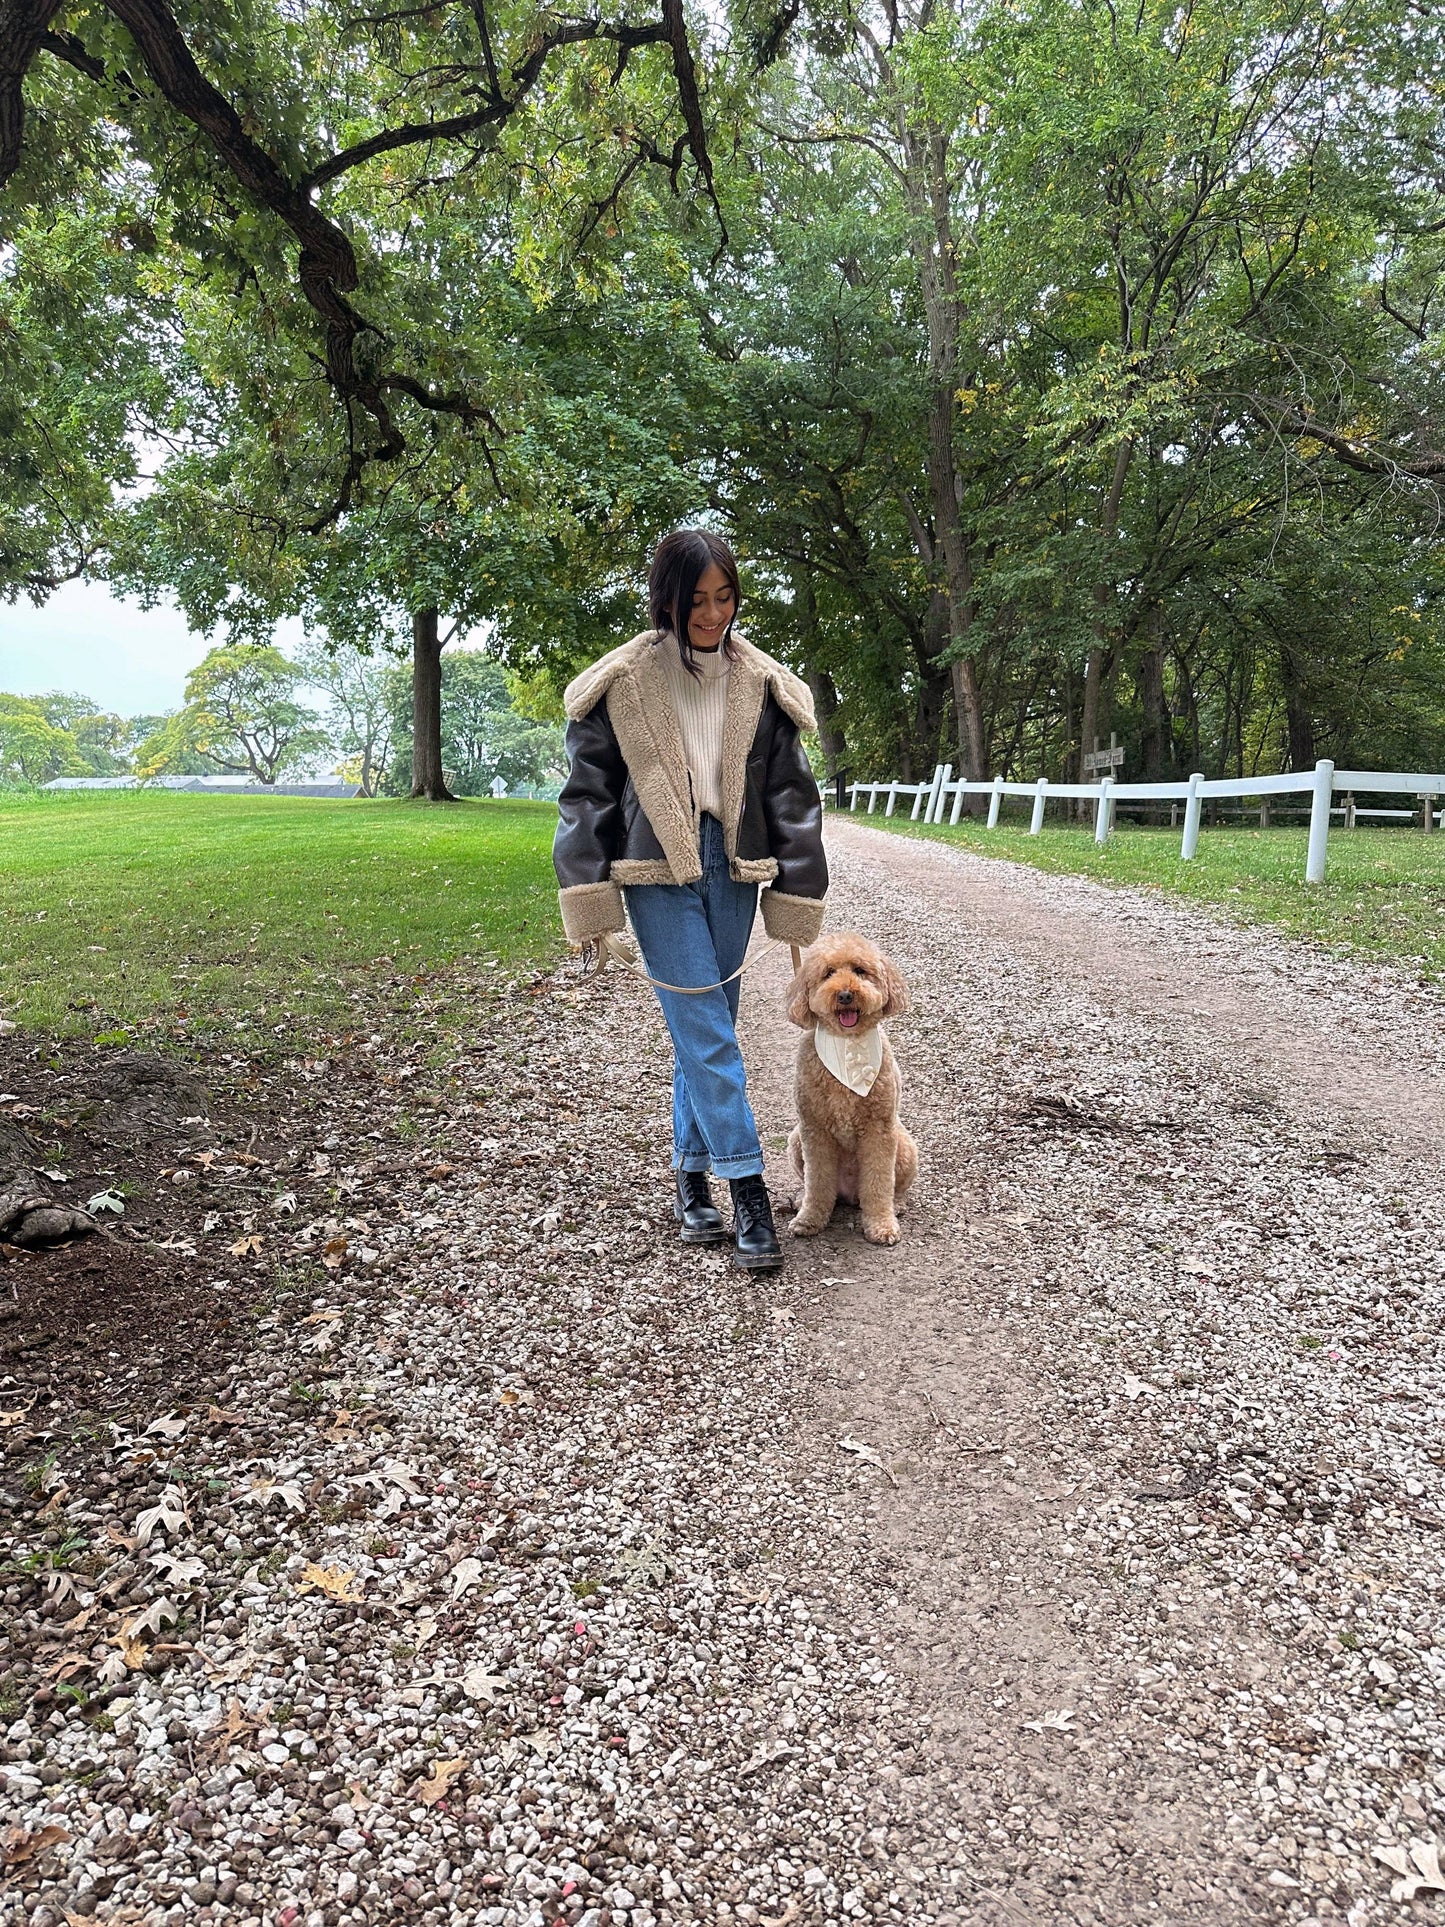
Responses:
[713,608]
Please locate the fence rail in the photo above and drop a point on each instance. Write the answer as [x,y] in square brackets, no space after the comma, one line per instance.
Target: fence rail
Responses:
[1320,785]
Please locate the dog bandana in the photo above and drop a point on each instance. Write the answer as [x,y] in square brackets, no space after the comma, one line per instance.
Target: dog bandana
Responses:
[854,1061]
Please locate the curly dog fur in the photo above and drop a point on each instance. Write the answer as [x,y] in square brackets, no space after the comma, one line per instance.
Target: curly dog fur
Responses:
[847,1147]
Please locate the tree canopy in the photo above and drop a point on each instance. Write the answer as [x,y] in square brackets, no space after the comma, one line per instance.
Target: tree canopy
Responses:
[1053,369]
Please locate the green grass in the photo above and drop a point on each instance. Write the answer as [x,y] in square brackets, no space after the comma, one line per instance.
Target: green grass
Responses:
[255,919]
[1384,890]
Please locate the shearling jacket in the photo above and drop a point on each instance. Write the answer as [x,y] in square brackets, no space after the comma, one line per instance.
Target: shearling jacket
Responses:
[627,814]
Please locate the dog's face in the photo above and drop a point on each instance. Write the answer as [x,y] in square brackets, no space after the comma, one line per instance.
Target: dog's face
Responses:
[847,985]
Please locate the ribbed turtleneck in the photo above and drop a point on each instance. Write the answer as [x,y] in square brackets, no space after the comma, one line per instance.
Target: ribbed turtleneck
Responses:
[701,703]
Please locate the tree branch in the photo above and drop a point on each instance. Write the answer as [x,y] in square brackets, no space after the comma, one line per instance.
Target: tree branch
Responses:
[23,28]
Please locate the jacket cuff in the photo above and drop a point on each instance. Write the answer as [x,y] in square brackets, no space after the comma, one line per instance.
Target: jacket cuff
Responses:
[591,910]
[792,919]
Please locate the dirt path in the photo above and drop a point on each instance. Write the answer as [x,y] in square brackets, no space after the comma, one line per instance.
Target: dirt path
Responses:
[490,1560]
[1157,1375]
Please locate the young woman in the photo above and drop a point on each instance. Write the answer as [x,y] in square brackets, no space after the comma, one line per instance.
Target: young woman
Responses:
[688,789]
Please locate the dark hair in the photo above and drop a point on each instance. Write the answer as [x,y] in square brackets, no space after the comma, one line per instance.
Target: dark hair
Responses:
[679,563]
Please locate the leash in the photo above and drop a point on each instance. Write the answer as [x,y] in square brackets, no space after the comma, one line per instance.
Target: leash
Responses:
[615,948]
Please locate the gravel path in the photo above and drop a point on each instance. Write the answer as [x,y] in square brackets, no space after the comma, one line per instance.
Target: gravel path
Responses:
[559,1590]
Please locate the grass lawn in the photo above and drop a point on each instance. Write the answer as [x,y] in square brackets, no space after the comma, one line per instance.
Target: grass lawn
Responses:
[255,919]
[1384,890]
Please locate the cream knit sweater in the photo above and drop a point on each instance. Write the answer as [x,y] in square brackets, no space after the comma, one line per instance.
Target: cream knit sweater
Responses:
[701,702]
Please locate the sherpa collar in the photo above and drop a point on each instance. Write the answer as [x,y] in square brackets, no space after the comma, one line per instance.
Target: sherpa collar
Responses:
[633,678]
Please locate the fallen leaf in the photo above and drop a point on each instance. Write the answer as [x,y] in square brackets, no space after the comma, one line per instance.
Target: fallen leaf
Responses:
[16,1416]
[865,1452]
[333,1253]
[106,1201]
[437,1783]
[643,1565]
[335,1581]
[248,1246]
[166,1514]
[1425,1873]
[543,1742]
[479,1684]
[1059,1722]
[465,1575]
[53,1503]
[233,1730]
[262,1491]
[167,1428]
[18,1844]
[151,1620]
[285,1204]
[1139,1387]
[217,1417]
[178,1569]
[322,1317]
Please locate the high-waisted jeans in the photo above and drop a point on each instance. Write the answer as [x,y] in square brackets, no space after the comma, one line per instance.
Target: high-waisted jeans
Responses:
[697,933]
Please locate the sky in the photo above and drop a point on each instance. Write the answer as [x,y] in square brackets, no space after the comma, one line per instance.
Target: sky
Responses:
[87,641]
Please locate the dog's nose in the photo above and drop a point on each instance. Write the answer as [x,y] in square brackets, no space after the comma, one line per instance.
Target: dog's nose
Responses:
[845,997]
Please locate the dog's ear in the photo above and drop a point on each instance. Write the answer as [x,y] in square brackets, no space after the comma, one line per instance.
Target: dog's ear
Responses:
[897,987]
[799,1012]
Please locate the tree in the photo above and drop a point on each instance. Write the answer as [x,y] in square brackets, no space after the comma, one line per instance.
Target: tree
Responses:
[364,688]
[101,738]
[241,715]
[484,739]
[32,748]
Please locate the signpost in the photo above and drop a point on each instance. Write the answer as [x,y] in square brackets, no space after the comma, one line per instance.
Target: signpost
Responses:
[1102,760]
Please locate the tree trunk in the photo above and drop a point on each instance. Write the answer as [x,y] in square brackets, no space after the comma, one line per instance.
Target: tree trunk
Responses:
[1151,701]
[1299,722]
[1100,662]
[830,732]
[427,779]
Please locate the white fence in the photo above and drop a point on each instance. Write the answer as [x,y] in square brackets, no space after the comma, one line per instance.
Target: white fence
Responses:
[1320,785]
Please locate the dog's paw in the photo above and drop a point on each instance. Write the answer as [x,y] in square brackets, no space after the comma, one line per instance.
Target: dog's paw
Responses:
[805,1227]
[884,1232]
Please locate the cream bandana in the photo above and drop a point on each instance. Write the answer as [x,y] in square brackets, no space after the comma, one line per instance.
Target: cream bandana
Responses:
[854,1061]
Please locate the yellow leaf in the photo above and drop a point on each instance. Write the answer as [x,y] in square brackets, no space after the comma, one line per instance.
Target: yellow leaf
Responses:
[334,1581]
[247,1247]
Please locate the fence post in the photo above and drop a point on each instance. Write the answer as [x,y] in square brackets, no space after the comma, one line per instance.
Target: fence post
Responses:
[1192,805]
[940,793]
[995,798]
[1036,821]
[1427,811]
[1320,800]
[957,810]
[892,798]
[873,789]
[1103,813]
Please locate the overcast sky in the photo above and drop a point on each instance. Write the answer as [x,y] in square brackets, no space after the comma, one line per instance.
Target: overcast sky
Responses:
[85,639]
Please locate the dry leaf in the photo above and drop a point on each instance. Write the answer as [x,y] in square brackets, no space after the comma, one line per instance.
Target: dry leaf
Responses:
[465,1575]
[336,1582]
[1060,1722]
[866,1453]
[543,1742]
[234,1730]
[333,1253]
[479,1684]
[166,1514]
[178,1569]
[53,1503]
[18,1844]
[248,1246]
[1424,1874]
[437,1783]
[217,1417]
[167,1428]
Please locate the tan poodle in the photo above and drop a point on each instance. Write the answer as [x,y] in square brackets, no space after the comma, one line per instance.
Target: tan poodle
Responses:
[849,1144]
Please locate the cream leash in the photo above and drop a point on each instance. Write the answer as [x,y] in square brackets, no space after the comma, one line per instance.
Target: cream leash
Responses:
[616,948]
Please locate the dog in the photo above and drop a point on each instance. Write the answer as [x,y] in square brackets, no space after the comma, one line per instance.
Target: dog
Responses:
[848,1144]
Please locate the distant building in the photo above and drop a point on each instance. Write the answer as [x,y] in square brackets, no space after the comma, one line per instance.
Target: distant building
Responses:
[225,785]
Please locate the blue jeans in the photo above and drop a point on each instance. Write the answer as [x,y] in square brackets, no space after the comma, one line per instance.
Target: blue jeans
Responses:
[697,933]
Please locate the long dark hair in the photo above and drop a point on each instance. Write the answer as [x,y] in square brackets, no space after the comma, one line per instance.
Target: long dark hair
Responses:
[679,563]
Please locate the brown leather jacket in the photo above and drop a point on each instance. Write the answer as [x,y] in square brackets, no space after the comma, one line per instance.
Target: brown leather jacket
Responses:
[627,814]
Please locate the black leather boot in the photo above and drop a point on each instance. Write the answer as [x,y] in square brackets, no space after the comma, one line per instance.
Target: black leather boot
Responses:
[755,1242]
[698,1217]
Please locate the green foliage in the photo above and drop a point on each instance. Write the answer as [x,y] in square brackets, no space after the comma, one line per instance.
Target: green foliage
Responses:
[484,739]
[32,748]
[241,715]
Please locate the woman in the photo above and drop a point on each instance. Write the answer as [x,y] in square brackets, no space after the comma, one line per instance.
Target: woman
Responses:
[688,788]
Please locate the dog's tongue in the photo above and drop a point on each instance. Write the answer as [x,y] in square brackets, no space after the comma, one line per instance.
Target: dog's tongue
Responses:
[847,1018]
